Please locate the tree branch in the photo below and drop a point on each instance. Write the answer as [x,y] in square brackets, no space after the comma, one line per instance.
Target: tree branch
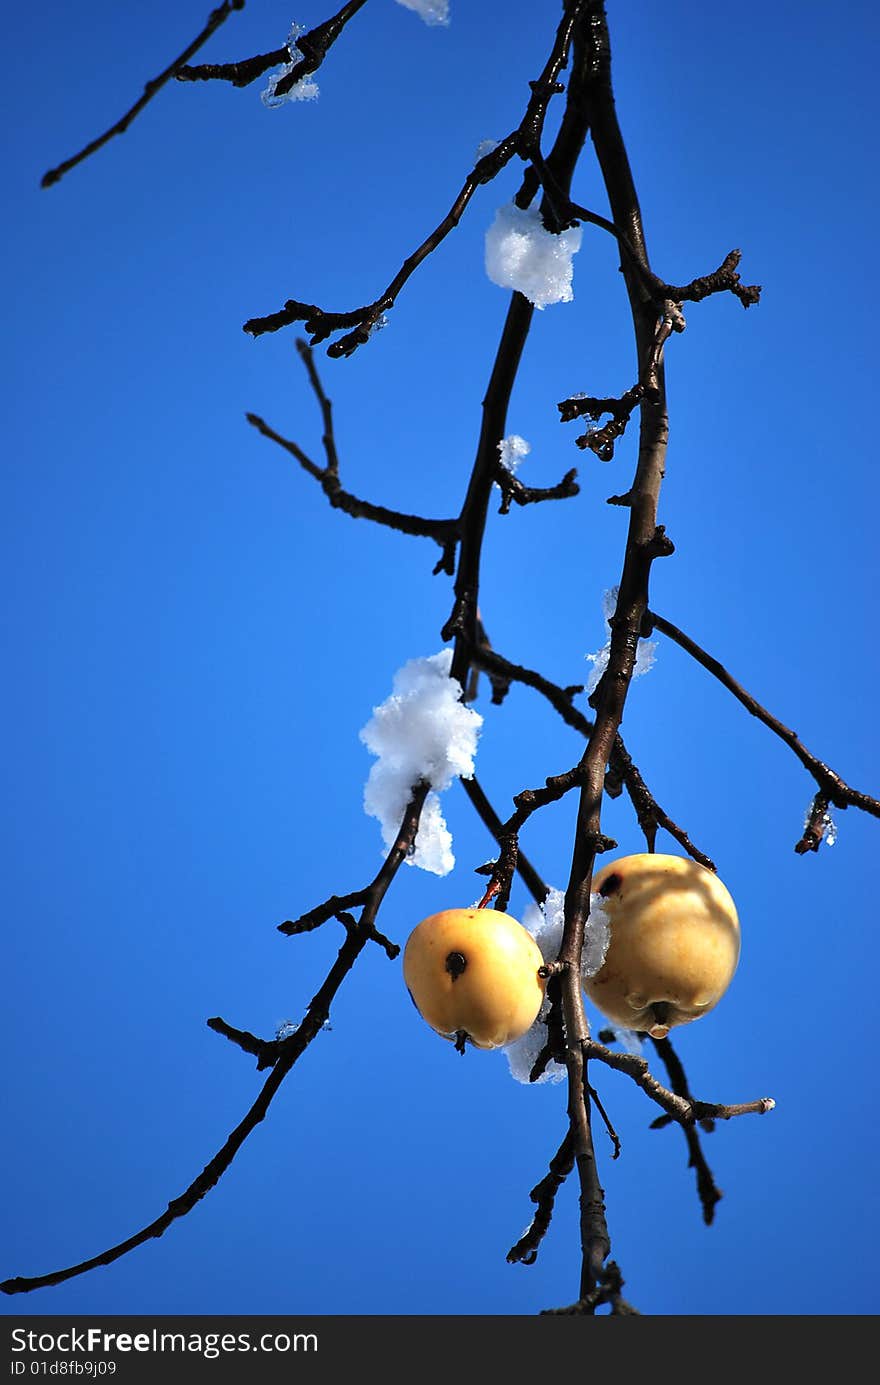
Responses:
[314,47]
[832,789]
[621,770]
[443,531]
[513,490]
[525,1252]
[530,877]
[525,138]
[217,17]
[683,1109]
[289,1050]
[592,63]
[707,1189]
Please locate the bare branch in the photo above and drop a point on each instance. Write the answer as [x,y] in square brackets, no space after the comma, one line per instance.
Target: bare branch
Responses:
[525,1252]
[442,531]
[331,908]
[266,1051]
[607,1290]
[707,1189]
[832,789]
[240,74]
[321,324]
[606,1120]
[724,279]
[645,542]
[683,1109]
[513,490]
[648,811]
[621,770]
[215,19]
[289,1050]
[530,877]
[528,801]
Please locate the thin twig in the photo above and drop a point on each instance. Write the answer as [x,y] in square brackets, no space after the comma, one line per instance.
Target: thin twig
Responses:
[525,138]
[606,1120]
[832,789]
[528,801]
[724,279]
[290,1049]
[525,1251]
[266,1051]
[684,1109]
[215,19]
[513,490]
[530,877]
[707,1189]
[621,769]
[331,908]
[442,531]
[314,47]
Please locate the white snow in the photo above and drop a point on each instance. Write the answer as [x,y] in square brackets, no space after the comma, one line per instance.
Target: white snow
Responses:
[522,254]
[512,450]
[431,11]
[545,923]
[597,936]
[628,1039]
[646,650]
[303,90]
[522,1053]
[827,826]
[485,147]
[422,731]
[829,829]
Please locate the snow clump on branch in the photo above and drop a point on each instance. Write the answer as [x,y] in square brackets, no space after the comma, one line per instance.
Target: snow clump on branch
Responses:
[646,650]
[512,450]
[545,923]
[522,254]
[421,732]
[431,11]
[303,90]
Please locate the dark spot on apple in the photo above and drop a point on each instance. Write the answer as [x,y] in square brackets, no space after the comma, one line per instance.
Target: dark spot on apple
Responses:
[456,963]
[461,1039]
[611,885]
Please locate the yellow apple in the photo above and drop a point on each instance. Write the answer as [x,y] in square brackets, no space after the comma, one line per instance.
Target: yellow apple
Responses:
[674,942]
[473,975]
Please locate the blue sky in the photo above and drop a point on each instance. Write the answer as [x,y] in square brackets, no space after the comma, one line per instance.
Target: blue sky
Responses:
[194,640]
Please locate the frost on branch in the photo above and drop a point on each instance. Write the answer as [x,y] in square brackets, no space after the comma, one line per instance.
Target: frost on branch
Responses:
[522,254]
[431,11]
[646,650]
[512,450]
[523,1053]
[826,826]
[545,923]
[628,1039]
[303,90]
[421,732]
